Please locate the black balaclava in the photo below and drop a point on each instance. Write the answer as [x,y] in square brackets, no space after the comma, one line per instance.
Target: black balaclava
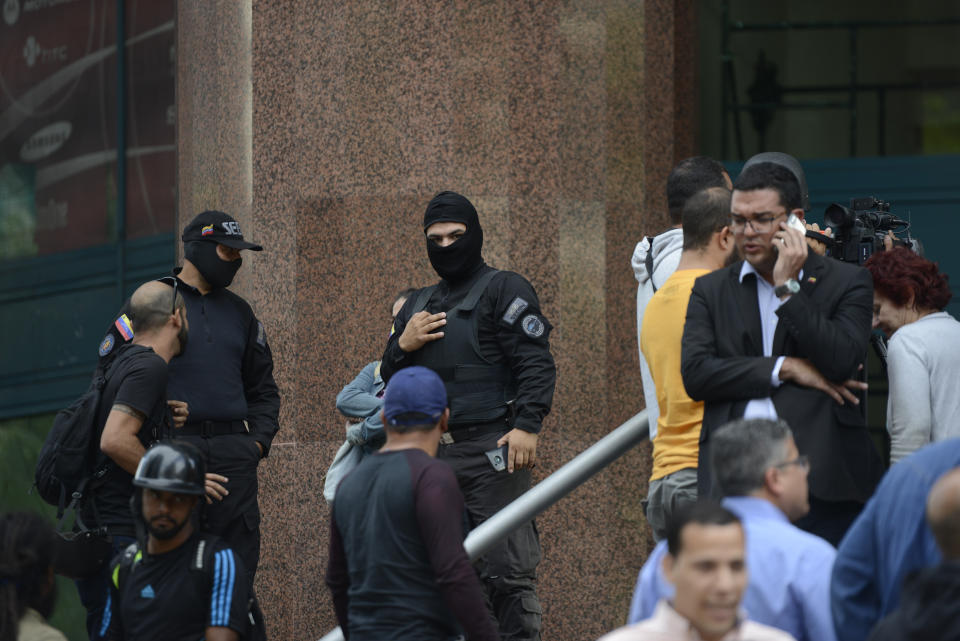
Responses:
[217,272]
[456,261]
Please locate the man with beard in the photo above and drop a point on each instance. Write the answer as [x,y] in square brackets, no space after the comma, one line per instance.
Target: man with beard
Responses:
[132,415]
[482,331]
[226,378]
[707,246]
[180,586]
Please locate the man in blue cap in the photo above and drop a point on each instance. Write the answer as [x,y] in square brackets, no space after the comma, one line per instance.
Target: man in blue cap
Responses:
[397,566]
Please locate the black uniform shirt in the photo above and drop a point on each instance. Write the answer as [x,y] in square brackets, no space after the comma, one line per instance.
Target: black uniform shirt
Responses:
[226,372]
[511,330]
[140,382]
[163,598]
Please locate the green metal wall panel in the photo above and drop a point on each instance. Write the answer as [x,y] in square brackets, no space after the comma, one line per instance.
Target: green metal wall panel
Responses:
[54,311]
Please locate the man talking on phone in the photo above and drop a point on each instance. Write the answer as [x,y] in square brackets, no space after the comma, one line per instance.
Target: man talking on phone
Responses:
[481,330]
[783,333]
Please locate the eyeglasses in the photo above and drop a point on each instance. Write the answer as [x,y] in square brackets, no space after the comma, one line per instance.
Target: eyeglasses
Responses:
[760,224]
[801,461]
[173,306]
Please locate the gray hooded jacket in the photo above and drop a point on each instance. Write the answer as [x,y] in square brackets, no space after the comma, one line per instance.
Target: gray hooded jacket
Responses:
[663,253]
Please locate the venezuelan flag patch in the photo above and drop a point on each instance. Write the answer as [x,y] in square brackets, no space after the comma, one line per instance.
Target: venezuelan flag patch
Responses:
[124,327]
[206,230]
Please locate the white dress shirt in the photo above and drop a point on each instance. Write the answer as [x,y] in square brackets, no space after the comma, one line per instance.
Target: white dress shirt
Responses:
[768,303]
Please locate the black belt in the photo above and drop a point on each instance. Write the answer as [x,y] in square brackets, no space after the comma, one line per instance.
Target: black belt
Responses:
[212,428]
[456,434]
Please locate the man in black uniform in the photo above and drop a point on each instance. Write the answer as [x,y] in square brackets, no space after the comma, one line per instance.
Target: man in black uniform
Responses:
[226,378]
[181,586]
[482,331]
[132,415]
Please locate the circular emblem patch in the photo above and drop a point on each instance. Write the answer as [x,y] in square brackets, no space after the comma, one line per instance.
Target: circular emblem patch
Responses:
[106,345]
[532,326]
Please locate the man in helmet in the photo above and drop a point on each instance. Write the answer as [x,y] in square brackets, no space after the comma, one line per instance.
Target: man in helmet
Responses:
[783,334]
[179,585]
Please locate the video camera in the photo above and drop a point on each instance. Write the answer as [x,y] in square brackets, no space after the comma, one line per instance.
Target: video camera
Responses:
[860,229]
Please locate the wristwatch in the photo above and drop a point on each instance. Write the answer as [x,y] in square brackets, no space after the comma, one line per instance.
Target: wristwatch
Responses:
[790,287]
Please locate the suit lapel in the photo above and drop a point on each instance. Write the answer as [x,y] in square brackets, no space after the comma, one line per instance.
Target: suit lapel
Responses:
[749,310]
[812,272]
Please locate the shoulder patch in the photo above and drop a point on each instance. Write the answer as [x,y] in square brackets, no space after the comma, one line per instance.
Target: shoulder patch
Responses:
[261,335]
[107,345]
[124,326]
[532,326]
[514,310]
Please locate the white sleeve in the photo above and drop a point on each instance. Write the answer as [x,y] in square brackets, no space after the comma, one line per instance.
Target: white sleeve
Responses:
[909,418]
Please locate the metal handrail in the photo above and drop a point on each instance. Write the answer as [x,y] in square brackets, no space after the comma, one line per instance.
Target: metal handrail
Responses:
[549,491]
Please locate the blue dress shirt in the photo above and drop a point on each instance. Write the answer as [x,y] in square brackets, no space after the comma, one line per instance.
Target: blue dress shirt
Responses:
[788,569]
[889,539]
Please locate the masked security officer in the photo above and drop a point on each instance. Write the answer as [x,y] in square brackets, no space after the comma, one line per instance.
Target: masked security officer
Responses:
[179,586]
[482,331]
[225,375]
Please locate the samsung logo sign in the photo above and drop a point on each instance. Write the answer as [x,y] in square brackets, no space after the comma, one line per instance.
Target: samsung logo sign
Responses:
[46,141]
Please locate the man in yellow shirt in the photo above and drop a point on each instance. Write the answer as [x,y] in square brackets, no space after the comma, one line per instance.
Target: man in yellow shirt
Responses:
[707,245]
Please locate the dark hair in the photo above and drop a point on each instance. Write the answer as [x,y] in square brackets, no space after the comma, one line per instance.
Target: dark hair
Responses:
[706,213]
[742,450]
[27,551]
[689,177]
[767,175]
[899,273]
[703,512]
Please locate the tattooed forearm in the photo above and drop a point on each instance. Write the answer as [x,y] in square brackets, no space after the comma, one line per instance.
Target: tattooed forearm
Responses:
[126,409]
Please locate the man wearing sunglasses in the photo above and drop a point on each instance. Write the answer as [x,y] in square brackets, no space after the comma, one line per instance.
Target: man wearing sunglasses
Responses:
[763,478]
[783,334]
[132,414]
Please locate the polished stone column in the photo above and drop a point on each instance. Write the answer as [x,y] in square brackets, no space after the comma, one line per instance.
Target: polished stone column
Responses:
[214,125]
[559,121]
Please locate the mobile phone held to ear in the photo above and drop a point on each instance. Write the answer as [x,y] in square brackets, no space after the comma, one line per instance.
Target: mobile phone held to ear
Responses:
[796,223]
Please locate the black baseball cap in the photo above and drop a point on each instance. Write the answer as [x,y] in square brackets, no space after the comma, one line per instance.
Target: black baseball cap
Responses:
[217,227]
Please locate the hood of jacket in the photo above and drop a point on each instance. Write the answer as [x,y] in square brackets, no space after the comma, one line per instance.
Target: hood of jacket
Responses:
[665,250]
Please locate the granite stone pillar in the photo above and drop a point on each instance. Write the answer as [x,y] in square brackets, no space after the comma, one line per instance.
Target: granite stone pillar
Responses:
[559,121]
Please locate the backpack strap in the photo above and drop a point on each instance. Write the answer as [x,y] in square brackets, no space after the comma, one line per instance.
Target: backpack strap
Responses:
[128,562]
[648,262]
[202,556]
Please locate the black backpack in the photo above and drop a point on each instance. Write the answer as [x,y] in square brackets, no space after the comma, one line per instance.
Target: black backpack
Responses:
[71,464]
[201,562]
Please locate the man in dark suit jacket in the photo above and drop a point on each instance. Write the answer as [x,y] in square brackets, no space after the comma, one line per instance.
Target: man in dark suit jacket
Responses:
[782,334]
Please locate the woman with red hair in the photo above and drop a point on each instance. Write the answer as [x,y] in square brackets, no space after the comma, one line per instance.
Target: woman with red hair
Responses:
[923,354]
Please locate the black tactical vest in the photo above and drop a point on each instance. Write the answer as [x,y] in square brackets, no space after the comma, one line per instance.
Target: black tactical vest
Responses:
[477,390]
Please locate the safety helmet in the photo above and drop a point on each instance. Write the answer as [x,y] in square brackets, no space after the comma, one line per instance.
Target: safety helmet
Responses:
[787,162]
[172,466]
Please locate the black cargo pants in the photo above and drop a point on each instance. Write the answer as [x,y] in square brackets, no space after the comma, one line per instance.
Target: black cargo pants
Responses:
[236,519]
[508,572]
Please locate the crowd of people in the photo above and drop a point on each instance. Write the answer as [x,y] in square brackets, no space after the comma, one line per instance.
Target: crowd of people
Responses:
[767,499]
